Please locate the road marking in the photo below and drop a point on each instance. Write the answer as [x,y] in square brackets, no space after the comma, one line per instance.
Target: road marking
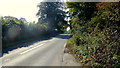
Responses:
[50,40]
[65,45]
[44,41]
[7,60]
[31,49]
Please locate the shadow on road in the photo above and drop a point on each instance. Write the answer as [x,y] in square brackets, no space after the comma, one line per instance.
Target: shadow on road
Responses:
[62,36]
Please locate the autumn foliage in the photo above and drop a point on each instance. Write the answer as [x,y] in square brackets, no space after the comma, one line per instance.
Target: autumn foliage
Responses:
[95,33]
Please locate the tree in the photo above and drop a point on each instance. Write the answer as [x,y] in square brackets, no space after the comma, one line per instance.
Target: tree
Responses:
[95,33]
[52,14]
[81,13]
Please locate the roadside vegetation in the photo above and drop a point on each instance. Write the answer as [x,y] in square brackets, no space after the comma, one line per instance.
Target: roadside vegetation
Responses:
[51,21]
[95,33]
[94,28]
[17,31]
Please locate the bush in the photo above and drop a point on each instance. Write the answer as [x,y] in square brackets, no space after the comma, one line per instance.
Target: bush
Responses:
[100,49]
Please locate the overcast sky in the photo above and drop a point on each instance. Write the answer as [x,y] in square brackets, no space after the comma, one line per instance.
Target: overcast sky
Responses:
[20,8]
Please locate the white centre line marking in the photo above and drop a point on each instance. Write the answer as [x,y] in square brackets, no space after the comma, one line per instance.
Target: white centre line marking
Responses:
[44,41]
[31,49]
[50,40]
[6,59]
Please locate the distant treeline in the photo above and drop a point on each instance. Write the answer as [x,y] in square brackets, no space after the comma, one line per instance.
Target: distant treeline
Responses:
[14,30]
[51,21]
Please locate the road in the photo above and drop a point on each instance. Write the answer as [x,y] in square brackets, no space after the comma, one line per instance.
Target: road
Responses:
[42,53]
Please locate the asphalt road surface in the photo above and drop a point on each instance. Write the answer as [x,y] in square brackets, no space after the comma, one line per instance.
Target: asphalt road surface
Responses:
[42,53]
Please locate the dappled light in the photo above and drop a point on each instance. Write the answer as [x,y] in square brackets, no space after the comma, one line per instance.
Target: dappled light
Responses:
[95,31]
[13,32]
[17,30]
[89,31]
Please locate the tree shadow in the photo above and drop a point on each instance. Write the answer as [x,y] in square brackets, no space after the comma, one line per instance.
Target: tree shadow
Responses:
[6,51]
[22,45]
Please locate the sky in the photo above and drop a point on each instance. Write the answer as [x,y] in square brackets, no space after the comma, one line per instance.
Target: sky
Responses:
[20,8]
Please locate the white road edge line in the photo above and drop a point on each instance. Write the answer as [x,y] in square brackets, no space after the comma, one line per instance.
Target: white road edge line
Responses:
[31,49]
[65,45]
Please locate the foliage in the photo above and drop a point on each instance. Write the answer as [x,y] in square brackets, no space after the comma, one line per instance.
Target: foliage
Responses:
[95,33]
[14,30]
[52,14]
[51,22]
